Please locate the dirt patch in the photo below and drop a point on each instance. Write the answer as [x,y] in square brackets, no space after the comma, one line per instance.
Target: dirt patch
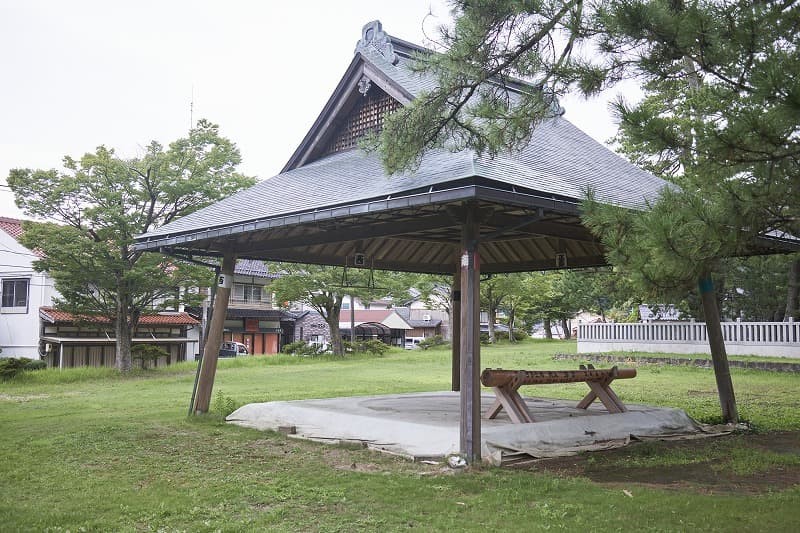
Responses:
[706,466]
[23,398]
[355,459]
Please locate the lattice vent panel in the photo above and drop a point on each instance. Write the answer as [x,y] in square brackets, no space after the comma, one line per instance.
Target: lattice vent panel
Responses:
[366,116]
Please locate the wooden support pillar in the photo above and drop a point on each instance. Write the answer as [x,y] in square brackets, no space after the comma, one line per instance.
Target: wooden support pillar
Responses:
[208,367]
[470,356]
[455,330]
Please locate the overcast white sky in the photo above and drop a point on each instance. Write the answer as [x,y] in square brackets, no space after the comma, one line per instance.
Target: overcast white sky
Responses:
[78,74]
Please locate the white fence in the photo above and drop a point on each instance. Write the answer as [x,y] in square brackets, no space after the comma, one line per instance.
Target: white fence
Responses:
[780,339]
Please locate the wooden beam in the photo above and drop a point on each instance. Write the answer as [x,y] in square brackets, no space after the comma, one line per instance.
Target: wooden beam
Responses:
[208,367]
[455,331]
[296,256]
[575,232]
[357,232]
[388,85]
[436,266]
[470,427]
[547,264]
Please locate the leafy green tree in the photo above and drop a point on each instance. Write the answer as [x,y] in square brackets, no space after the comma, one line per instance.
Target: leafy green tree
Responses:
[541,299]
[99,203]
[323,288]
[494,291]
[512,286]
[755,288]
[793,291]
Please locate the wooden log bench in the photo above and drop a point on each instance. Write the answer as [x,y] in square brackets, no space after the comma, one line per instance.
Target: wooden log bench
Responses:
[506,384]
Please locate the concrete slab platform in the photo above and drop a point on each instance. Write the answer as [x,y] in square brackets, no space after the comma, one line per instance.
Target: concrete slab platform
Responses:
[425,425]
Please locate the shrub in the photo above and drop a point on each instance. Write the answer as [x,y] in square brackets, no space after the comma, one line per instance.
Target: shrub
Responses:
[372,347]
[146,353]
[35,364]
[500,336]
[430,342]
[11,366]
[223,404]
[520,335]
[303,348]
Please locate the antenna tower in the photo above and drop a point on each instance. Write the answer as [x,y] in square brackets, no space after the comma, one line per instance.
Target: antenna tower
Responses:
[191,110]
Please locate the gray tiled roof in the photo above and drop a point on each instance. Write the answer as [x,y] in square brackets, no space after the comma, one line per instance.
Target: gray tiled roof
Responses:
[344,177]
[560,160]
[253,267]
[401,73]
[275,314]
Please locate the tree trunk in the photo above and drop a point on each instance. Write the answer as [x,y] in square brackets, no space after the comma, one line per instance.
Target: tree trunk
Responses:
[719,356]
[793,293]
[548,331]
[123,333]
[123,345]
[492,318]
[332,318]
[565,329]
[511,325]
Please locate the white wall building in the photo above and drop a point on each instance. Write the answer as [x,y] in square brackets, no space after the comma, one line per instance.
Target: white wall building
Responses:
[22,292]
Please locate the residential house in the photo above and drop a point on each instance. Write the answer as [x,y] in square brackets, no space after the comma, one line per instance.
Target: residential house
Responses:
[386,325]
[252,318]
[22,292]
[309,326]
[70,341]
[424,322]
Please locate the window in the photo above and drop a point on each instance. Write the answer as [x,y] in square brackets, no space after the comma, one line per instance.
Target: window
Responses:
[316,340]
[15,295]
[246,293]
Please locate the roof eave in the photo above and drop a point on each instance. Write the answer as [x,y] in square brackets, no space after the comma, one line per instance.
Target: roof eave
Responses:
[444,196]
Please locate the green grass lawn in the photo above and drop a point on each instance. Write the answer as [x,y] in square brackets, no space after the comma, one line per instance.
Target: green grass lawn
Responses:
[87,450]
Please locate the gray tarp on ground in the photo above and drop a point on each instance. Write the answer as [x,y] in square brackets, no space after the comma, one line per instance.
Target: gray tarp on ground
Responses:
[426,425]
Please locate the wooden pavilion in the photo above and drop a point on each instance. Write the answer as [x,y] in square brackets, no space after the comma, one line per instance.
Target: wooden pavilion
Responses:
[458,213]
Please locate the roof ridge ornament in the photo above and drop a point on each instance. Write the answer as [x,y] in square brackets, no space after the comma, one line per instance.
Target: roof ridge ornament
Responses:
[372,35]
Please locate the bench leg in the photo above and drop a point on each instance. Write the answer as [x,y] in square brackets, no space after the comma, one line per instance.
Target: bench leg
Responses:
[513,403]
[603,392]
[494,410]
[587,400]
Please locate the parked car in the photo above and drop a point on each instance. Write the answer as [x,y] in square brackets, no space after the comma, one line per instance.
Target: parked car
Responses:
[232,349]
[412,343]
